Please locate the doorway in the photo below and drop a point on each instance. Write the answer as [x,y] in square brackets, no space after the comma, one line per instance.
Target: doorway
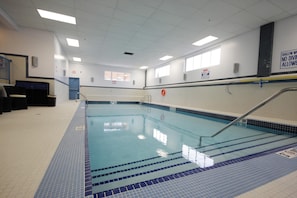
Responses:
[73,88]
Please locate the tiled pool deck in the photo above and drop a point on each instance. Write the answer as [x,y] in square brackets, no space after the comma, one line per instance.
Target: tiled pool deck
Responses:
[66,174]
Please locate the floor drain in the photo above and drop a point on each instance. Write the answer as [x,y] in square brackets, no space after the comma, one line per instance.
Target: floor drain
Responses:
[80,128]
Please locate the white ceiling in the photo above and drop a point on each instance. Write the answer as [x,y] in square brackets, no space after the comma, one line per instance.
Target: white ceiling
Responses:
[148,28]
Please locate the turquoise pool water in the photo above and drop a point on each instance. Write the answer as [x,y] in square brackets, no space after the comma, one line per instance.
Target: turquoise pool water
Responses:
[130,143]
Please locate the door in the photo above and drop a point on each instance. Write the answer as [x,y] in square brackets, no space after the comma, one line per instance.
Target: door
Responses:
[73,88]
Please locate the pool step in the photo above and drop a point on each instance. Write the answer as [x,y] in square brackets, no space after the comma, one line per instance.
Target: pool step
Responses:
[138,172]
[241,149]
[160,167]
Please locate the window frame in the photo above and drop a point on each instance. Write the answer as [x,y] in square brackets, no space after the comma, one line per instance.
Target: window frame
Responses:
[164,71]
[203,60]
[115,76]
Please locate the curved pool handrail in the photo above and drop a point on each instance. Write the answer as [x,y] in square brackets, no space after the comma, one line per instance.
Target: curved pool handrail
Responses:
[255,108]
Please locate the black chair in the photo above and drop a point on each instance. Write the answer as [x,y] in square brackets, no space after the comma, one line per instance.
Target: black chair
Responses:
[16,98]
[5,102]
[1,105]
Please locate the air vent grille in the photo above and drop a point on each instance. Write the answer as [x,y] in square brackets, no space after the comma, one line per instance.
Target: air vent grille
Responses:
[129,53]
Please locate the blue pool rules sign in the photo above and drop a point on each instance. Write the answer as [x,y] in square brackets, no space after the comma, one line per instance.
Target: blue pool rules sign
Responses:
[288,59]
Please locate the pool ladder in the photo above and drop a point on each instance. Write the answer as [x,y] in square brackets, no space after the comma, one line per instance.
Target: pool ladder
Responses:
[255,108]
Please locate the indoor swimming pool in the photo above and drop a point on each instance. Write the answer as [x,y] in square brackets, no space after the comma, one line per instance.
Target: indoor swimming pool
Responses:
[131,146]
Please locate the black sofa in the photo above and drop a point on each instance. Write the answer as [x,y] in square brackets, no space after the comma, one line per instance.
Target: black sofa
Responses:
[37,93]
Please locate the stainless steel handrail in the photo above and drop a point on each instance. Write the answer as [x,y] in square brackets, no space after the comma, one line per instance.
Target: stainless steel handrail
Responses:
[149,98]
[85,97]
[256,107]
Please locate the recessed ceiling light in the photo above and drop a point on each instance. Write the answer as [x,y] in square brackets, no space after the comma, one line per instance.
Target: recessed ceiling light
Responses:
[143,67]
[205,40]
[72,42]
[59,57]
[77,59]
[56,16]
[167,57]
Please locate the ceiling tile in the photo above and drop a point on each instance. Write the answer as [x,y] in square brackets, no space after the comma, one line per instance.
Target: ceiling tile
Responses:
[94,10]
[247,20]
[264,10]
[243,4]
[97,3]
[55,7]
[218,10]
[165,17]
[156,28]
[177,8]
[135,8]
[117,26]
[149,28]
[151,3]
[287,5]
[128,17]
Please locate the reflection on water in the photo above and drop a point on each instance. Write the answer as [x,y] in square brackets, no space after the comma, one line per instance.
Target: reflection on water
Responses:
[201,159]
[161,137]
[115,126]
[162,153]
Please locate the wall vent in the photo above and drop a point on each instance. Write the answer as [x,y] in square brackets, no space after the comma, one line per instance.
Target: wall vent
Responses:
[129,53]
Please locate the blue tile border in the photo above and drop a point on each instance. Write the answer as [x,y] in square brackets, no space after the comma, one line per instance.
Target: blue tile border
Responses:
[65,175]
[187,173]
[88,176]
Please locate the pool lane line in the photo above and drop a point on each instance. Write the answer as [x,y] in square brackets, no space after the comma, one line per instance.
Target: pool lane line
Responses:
[174,153]
[139,174]
[251,147]
[249,141]
[136,167]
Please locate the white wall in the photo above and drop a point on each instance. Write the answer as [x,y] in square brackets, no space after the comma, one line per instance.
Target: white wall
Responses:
[112,94]
[61,69]
[87,71]
[43,45]
[233,99]
[243,49]
[31,42]
[285,39]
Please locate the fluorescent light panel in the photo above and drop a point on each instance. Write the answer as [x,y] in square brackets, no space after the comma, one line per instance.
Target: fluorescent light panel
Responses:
[205,40]
[59,57]
[72,42]
[56,16]
[167,57]
[143,67]
[77,59]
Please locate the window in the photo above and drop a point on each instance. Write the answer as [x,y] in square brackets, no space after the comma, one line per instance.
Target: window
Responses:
[162,71]
[117,76]
[206,59]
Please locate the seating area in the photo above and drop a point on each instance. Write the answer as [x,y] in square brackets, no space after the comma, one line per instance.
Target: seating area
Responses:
[24,94]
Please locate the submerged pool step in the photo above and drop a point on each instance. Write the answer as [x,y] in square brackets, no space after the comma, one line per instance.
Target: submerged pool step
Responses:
[241,144]
[141,174]
[236,141]
[242,150]
[143,165]
[143,162]
[139,171]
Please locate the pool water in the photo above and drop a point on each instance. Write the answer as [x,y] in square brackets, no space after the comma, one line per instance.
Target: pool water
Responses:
[129,143]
